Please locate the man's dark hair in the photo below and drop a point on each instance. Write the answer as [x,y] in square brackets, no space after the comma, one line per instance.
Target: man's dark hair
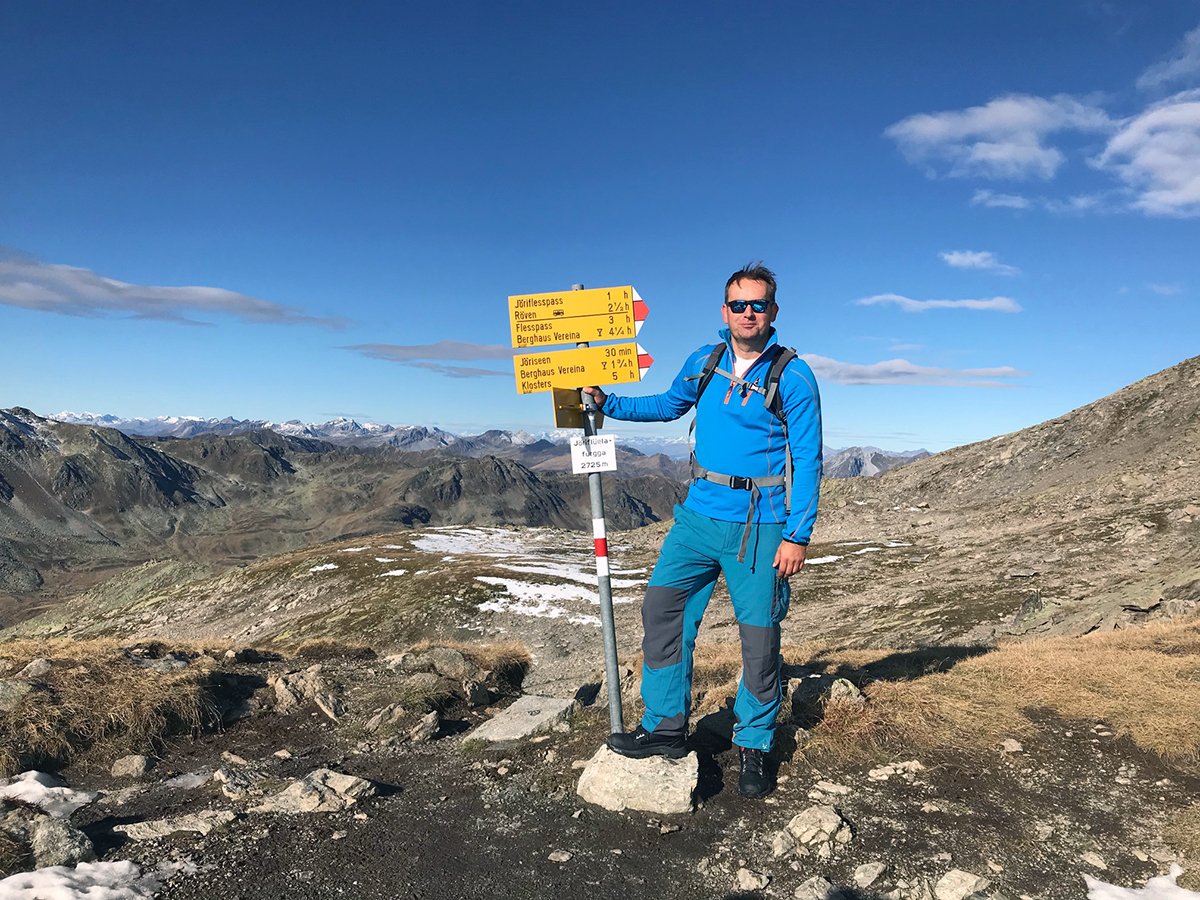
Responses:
[753,271]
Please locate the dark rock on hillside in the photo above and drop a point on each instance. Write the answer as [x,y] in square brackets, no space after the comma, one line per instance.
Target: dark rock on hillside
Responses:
[256,456]
[19,576]
[486,491]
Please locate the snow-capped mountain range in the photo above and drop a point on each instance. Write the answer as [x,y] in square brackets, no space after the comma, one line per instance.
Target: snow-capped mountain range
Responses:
[342,431]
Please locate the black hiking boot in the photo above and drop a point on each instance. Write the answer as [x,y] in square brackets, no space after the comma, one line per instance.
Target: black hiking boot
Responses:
[640,743]
[753,781]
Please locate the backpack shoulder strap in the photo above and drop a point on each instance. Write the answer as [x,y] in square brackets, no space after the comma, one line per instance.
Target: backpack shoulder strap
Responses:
[710,367]
[771,394]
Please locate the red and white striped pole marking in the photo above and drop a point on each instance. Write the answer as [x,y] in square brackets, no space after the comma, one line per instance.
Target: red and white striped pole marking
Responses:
[601,541]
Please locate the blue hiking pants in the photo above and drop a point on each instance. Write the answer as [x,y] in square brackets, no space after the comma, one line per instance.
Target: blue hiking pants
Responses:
[695,552]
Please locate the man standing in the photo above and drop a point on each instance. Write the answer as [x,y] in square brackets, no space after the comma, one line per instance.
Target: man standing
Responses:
[749,512]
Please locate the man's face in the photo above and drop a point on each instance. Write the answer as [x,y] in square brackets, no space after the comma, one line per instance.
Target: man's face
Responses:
[749,326]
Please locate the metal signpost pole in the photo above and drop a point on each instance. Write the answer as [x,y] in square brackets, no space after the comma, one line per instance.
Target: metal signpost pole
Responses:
[616,719]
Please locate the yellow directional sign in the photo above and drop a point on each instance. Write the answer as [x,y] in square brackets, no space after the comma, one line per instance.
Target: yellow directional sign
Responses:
[611,364]
[574,330]
[597,314]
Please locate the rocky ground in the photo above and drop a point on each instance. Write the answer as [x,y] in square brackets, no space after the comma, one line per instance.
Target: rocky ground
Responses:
[252,809]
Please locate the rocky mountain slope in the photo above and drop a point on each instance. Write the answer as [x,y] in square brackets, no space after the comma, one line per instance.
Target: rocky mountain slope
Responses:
[77,501]
[854,462]
[1090,520]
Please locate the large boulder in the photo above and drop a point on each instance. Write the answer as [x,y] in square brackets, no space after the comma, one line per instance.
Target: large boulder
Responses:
[655,784]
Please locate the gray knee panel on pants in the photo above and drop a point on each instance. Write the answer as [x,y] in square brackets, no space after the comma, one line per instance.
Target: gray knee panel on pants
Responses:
[662,624]
[760,661]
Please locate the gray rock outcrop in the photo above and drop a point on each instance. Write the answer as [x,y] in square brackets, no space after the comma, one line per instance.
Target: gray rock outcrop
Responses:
[322,790]
[132,766]
[818,829]
[200,823]
[958,885]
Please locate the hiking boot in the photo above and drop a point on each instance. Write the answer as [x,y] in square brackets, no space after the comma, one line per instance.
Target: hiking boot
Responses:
[753,781]
[640,743]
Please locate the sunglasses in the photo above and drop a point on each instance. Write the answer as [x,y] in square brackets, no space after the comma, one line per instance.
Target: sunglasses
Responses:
[739,306]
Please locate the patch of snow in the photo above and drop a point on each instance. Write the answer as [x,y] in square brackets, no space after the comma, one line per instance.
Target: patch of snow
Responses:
[49,794]
[394,547]
[384,559]
[570,573]
[867,550]
[353,549]
[393,572]
[324,568]
[1161,888]
[896,544]
[541,610]
[490,541]
[120,880]
[169,868]
[851,543]
[821,560]
[188,780]
[541,600]
[526,591]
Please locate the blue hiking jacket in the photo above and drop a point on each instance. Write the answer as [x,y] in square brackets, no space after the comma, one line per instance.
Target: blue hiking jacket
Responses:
[737,435]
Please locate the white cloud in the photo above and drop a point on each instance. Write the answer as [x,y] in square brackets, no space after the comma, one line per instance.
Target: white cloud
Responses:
[1183,65]
[901,371]
[984,197]
[994,304]
[67,290]
[431,356]
[440,350]
[1157,155]
[977,259]
[1166,290]
[1103,201]
[1004,138]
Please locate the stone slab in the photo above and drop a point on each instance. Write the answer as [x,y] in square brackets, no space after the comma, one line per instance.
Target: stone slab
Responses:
[528,716]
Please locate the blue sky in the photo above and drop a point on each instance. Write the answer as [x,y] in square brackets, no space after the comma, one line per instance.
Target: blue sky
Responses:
[225,208]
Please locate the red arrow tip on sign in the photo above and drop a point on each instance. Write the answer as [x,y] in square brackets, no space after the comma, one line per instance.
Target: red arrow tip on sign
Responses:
[644,360]
[640,310]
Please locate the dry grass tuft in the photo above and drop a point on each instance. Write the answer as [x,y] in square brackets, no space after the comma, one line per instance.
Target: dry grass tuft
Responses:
[1183,832]
[715,672]
[95,696]
[1143,683]
[12,855]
